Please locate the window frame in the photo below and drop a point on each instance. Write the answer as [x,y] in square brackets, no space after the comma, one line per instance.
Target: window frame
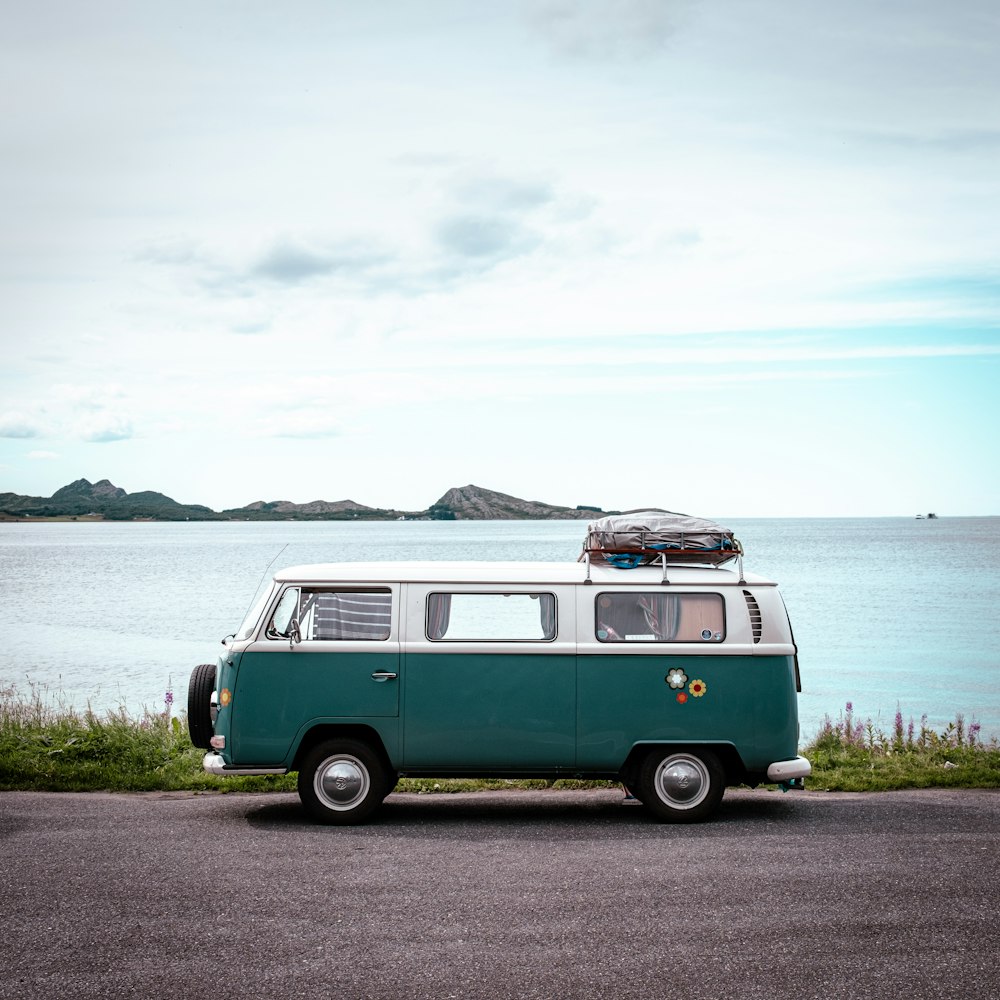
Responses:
[491,593]
[274,636]
[699,641]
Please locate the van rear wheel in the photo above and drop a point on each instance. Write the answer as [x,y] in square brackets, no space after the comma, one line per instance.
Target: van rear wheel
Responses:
[341,782]
[681,786]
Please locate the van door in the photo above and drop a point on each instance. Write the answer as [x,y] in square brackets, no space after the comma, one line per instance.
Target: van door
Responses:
[326,654]
[490,682]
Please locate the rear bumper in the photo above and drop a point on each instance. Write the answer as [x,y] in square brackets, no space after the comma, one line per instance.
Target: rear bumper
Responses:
[214,764]
[787,770]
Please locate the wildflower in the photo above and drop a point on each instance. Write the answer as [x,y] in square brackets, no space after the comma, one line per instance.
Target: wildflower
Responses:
[168,698]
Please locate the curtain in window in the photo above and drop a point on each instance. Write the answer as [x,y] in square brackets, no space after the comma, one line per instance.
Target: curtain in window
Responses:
[352,615]
[438,615]
[547,614]
[663,615]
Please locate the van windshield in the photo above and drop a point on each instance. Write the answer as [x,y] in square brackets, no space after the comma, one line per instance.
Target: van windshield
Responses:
[249,626]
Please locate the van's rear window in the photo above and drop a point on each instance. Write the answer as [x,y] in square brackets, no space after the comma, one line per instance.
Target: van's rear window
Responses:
[659,617]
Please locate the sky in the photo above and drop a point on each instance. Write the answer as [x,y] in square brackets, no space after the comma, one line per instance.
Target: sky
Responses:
[737,258]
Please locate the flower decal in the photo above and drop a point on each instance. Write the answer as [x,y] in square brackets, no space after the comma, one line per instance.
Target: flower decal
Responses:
[697,688]
[676,678]
[681,697]
[226,697]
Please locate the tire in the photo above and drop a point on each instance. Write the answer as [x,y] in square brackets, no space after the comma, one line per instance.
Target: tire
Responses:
[201,712]
[681,786]
[342,782]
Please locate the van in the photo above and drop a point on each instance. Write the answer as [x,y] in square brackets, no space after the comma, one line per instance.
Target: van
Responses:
[675,680]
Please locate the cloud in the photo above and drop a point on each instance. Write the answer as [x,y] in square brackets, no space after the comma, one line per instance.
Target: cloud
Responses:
[251,328]
[947,140]
[19,425]
[469,221]
[503,194]
[607,30]
[42,455]
[104,426]
[283,261]
[88,397]
[485,238]
[290,263]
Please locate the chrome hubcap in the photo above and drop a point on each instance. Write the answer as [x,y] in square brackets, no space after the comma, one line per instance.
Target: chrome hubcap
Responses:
[341,782]
[682,781]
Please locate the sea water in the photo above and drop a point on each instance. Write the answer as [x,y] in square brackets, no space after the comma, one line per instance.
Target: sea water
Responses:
[888,613]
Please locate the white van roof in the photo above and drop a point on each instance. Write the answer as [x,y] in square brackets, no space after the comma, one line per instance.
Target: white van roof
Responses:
[533,573]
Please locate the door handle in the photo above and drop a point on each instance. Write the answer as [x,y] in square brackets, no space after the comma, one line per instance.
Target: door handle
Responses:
[384,675]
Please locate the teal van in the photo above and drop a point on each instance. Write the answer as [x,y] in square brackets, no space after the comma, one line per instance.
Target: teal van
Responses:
[674,681]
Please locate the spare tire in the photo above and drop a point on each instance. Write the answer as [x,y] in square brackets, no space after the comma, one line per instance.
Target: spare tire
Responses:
[201,714]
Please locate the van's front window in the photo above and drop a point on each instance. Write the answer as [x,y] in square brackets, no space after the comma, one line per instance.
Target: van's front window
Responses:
[285,611]
[249,626]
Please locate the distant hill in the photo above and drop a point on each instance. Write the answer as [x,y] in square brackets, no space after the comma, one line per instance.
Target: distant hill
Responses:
[473,503]
[104,499]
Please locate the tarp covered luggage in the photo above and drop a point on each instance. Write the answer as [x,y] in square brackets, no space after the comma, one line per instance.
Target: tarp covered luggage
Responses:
[641,537]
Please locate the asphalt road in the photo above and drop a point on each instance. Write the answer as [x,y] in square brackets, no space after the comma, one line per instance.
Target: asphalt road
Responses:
[515,894]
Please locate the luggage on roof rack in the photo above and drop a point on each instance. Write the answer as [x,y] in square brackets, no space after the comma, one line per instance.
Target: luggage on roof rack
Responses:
[646,537]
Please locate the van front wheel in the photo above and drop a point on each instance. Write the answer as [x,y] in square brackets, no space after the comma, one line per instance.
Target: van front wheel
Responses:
[341,781]
[682,786]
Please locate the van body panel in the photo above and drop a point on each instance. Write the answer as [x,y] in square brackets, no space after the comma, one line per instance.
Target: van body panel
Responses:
[278,688]
[625,699]
[489,710]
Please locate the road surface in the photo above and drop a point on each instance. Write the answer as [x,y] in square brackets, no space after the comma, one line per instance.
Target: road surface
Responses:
[501,895]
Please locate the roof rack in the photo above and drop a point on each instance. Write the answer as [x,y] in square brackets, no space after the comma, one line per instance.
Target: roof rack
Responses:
[659,537]
[635,557]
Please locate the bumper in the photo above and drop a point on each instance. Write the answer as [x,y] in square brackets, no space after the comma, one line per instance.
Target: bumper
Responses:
[788,770]
[214,764]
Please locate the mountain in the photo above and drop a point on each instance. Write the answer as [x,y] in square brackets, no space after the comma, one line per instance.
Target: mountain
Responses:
[473,503]
[103,498]
[315,510]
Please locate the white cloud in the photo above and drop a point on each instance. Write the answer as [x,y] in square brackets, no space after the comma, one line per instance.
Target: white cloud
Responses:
[19,425]
[103,426]
[615,30]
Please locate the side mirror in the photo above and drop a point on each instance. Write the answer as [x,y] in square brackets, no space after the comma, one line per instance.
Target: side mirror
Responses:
[294,635]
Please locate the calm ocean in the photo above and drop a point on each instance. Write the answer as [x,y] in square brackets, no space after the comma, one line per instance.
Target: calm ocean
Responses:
[887,612]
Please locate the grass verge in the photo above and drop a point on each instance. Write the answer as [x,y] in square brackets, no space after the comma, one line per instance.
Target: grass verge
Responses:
[854,755]
[56,749]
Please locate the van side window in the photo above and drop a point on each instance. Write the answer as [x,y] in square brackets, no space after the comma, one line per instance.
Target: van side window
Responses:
[491,617]
[327,614]
[659,617]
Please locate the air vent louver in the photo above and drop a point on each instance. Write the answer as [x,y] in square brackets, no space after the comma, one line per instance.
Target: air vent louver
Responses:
[756,621]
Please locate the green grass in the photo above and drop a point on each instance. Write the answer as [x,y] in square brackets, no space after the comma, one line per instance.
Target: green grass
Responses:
[852,755]
[46,747]
[55,749]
